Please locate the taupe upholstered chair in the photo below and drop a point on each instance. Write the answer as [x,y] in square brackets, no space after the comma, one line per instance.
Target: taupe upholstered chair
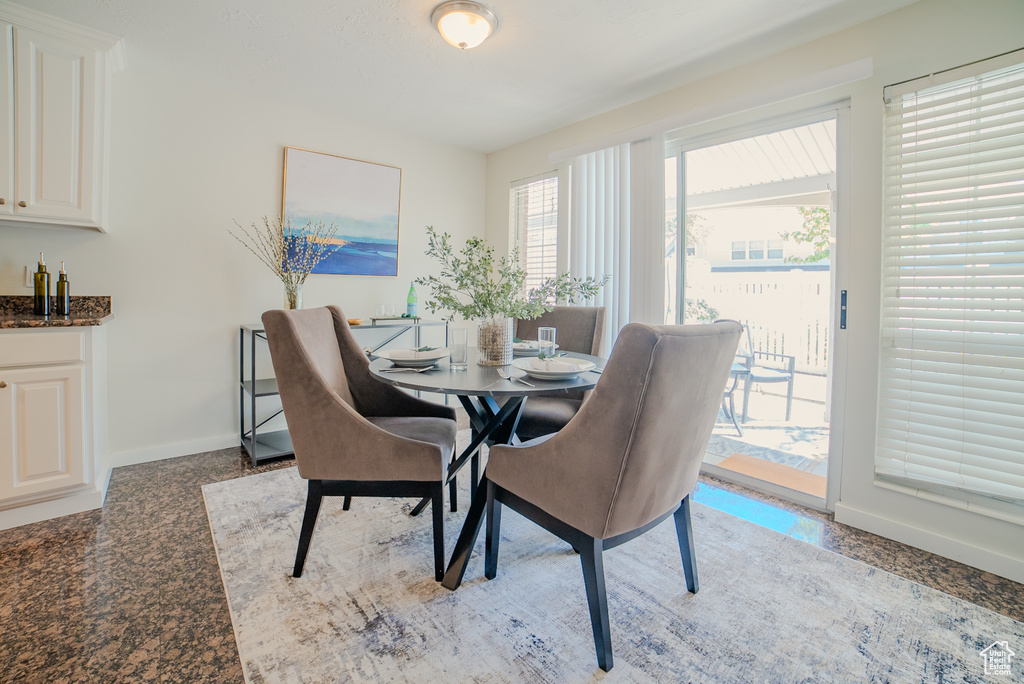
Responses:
[580,329]
[627,461]
[354,435]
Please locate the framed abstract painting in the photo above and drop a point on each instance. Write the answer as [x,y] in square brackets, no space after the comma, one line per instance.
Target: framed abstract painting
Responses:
[361,198]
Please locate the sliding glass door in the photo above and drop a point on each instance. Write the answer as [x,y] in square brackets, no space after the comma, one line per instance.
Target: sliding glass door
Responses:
[750,236]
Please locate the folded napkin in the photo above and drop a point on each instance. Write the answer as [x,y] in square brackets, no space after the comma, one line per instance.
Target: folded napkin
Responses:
[529,344]
[553,365]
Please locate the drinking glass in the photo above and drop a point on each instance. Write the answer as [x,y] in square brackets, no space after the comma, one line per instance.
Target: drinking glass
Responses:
[546,340]
[458,344]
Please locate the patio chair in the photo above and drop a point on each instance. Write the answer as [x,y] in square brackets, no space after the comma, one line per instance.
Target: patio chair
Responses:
[768,367]
[741,364]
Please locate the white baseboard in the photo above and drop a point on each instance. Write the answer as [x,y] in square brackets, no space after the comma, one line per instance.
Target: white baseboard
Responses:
[52,508]
[983,559]
[165,451]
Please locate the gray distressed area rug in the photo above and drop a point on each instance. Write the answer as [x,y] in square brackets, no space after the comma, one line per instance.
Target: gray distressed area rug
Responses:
[770,608]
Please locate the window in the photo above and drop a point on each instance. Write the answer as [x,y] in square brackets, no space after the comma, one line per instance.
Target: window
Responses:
[951,418]
[739,251]
[534,222]
[775,249]
[756,250]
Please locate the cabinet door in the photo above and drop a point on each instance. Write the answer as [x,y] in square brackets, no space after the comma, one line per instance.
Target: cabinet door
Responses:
[7,203]
[55,127]
[42,430]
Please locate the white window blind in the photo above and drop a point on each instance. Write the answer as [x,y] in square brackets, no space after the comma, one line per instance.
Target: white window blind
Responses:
[951,387]
[534,209]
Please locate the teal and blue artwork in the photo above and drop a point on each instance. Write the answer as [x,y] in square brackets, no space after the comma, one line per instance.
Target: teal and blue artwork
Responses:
[360,198]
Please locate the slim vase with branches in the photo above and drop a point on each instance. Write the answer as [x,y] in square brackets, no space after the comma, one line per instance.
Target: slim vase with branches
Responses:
[291,253]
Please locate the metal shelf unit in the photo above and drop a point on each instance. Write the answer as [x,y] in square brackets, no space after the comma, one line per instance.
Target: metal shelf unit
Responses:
[262,446]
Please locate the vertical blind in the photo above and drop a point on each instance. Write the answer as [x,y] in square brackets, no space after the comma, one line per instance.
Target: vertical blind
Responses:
[534,206]
[617,229]
[599,231]
[951,386]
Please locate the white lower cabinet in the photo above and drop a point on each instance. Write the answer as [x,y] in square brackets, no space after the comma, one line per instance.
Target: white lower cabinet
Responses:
[52,423]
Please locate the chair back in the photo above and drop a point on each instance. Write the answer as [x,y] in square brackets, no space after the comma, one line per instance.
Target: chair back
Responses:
[644,430]
[303,344]
[316,360]
[580,328]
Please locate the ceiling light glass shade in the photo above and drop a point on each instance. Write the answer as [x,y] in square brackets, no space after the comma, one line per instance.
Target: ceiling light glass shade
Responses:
[464,24]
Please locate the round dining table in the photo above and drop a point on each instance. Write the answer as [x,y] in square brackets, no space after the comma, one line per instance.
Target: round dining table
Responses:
[494,405]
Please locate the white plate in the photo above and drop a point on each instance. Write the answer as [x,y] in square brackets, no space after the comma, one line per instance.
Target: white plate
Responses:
[410,358]
[527,348]
[582,366]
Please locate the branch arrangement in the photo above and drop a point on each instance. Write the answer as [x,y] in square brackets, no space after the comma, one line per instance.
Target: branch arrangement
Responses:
[291,253]
[467,285]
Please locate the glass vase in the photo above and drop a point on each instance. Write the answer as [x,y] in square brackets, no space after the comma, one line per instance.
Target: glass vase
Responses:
[494,342]
[293,296]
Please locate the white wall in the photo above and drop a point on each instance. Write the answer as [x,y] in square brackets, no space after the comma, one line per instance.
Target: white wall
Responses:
[185,162]
[923,38]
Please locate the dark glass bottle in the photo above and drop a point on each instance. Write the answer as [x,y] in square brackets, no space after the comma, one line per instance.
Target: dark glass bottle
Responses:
[41,303]
[63,293]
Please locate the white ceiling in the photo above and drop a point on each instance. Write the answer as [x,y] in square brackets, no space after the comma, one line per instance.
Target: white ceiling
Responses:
[550,63]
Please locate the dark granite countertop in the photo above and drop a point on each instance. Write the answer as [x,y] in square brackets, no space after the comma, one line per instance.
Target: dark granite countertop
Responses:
[16,312]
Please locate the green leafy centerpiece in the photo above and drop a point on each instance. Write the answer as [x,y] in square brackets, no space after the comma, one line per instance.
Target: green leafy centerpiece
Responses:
[472,286]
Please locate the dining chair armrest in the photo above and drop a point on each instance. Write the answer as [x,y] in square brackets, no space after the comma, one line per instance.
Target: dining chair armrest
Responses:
[372,396]
[324,421]
[385,400]
[786,360]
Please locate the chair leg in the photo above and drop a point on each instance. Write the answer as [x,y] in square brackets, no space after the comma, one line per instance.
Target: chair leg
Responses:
[493,534]
[437,512]
[313,498]
[789,398]
[746,396]
[347,504]
[474,473]
[684,530]
[731,411]
[453,494]
[597,599]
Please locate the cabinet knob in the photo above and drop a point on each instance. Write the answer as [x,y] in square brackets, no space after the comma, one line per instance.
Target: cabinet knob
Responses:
[3,385]
[22,203]
[3,201]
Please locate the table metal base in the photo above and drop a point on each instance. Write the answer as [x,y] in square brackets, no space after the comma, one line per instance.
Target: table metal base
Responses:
[491,423]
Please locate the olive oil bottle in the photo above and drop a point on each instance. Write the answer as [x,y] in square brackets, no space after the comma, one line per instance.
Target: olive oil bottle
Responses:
[41,303]
[63,293]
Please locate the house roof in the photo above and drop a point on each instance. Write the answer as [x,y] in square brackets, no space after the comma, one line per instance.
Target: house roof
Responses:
[795,166]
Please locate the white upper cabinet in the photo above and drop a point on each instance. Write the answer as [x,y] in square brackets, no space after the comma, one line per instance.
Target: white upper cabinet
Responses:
[55,128]
[55,101]
[7,123]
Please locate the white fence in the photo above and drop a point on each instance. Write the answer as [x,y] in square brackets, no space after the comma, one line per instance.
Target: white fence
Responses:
[787,312]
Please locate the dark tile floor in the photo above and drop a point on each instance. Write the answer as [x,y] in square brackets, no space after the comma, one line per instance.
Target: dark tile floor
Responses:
[132,593]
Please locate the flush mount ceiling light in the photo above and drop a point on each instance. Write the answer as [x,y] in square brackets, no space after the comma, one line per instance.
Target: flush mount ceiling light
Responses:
[464,24]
